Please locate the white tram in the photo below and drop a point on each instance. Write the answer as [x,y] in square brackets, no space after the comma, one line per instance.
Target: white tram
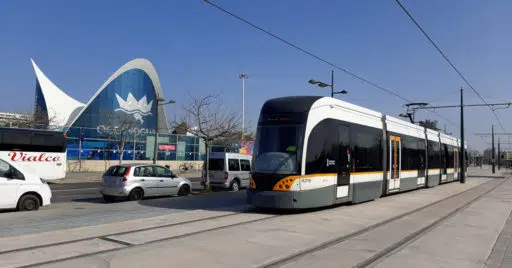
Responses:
[319,151]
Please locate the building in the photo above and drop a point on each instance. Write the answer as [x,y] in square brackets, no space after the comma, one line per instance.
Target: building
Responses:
[121,114]
[14,120]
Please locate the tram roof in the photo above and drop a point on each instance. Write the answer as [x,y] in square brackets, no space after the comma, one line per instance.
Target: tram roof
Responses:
[290,104]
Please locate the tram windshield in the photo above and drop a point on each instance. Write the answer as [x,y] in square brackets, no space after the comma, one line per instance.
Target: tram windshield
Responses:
[276,149]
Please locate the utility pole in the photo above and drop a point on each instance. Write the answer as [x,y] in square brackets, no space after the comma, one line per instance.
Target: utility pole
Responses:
[322,84]
[499,154]
[462,154]
[159,102]
[243,77]
[462,150]
[492,153]
[332,83]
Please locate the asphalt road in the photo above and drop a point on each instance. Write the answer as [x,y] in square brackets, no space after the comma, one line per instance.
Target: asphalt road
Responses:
[94,211]
[69,192]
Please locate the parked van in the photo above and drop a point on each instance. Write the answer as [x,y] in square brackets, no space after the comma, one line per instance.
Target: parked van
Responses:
[229,170]
[20,189]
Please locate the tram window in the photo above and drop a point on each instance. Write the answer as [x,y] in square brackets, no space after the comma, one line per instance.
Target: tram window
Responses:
[367,149]
[422,153]
[451,156]
[322,145]
[413,154]
[277,149]
[434,154]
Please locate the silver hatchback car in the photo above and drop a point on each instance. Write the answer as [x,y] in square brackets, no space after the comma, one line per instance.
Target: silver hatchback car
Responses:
[136,181]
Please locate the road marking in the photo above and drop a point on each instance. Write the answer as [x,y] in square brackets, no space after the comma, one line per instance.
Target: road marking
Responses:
[77,189]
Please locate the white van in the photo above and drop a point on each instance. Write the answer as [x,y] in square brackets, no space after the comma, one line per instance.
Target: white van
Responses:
[20,189]
[229,170]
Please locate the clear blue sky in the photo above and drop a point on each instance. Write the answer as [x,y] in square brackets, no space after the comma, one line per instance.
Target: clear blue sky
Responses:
[196,48]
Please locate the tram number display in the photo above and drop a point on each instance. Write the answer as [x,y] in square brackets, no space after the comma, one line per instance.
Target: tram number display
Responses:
[306,180]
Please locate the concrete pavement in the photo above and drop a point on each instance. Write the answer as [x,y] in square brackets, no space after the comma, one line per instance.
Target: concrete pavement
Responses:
[251,239]
[465,240]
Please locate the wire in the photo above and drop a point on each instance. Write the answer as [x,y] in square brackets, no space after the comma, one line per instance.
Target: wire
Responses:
[449,62]
[443,96]
[307,52]
[318,57]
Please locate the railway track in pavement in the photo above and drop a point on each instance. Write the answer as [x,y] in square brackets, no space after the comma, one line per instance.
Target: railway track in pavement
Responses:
[385,238]
[121,240]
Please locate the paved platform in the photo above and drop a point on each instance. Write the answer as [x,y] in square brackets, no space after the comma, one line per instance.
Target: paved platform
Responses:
[453,225]
[262,239]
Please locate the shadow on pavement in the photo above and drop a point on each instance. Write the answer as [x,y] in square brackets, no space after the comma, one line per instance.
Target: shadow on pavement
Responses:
[214,201]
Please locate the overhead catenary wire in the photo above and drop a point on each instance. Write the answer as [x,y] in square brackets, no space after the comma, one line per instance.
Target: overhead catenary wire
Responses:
[449,61]
[319,58]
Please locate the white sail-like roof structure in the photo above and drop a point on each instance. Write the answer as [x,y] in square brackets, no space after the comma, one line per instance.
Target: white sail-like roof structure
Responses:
[60,106]
[66,111]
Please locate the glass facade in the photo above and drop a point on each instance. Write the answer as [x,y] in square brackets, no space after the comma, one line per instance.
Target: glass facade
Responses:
[123,115]
[140,147]
[94,146]
[129,98]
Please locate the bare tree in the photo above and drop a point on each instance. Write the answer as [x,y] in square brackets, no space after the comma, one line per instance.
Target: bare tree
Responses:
[119,129]
[207,118]
[37,119]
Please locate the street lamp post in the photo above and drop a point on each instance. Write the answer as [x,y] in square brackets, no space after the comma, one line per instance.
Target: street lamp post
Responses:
[322,84]
[159,102]
[243,77]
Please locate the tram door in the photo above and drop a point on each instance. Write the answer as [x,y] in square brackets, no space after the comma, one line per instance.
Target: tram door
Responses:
[444,161]
[456,164]
[344,156]
[422,169]
[395,157]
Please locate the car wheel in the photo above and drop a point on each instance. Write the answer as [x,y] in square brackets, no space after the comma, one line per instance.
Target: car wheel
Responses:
[136,194]
[235,186]
[28,202]
[109,198]
[184,190]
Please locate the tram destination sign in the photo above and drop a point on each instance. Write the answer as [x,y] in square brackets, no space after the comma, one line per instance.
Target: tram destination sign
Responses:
[282,119]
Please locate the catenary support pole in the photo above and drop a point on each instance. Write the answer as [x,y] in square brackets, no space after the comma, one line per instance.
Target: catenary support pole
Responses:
[499,154]
[332,83]
[493,160]
[462,151]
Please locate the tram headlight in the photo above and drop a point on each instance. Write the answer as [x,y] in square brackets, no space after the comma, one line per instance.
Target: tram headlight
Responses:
[252,183]
[291,183]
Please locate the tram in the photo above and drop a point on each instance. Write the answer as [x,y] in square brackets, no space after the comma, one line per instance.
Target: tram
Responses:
[318,151]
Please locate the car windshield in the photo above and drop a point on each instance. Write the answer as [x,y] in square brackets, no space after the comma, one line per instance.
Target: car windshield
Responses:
[276,149]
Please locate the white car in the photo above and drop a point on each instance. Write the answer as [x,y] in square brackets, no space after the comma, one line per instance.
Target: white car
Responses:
[137,181]
[22,190]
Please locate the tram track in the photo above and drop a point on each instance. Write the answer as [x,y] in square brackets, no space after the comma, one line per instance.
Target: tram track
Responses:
[131,239]
[117,237]
[389,250]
